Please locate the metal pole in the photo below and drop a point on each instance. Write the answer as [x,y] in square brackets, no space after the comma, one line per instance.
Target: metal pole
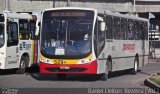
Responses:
[53,3]
[134,8]
[6,5]
[68,3]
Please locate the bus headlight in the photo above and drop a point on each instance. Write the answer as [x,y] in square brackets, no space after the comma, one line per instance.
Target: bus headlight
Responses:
[45,60]
[83,61]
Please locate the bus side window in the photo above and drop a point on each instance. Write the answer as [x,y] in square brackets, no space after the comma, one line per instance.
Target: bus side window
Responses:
[117,28]
[124,29]
[130,30]
[146,30]
[23,29]
[109,33]
[136,30]
[143,31]
[12,31]
[32,24]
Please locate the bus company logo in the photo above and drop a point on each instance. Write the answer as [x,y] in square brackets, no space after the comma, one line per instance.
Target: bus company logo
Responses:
[25,46]
[129,47]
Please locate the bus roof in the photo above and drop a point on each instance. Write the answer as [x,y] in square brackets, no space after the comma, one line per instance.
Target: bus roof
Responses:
[104,12]
[18,15]
[134,17]
[72,8]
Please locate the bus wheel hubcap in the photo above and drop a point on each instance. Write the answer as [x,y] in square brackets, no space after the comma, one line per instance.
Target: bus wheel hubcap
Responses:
[22,65]
[135,66]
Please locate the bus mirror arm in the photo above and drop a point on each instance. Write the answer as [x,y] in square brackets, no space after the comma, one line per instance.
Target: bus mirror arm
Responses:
[102,23]
[39,24]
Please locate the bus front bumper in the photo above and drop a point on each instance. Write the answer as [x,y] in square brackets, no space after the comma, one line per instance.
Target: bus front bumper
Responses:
[89,68]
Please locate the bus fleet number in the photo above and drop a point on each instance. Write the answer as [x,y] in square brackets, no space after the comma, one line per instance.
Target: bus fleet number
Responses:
[59,62]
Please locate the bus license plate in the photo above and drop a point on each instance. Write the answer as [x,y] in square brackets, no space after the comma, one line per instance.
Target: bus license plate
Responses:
[64,67]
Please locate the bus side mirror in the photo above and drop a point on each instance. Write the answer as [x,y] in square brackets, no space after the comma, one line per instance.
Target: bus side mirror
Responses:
[102,26]
[37,31]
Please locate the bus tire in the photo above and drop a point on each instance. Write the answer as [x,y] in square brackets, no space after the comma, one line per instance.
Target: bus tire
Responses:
[104,76]
[22,66]
[61,76]
[135,69]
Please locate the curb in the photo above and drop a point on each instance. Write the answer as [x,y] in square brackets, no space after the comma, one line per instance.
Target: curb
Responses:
[152,85]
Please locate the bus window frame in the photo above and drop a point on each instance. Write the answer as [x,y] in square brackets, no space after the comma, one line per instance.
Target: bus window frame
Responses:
[10,42]
[100,36]
[109,31]
[32,35]
[24,34]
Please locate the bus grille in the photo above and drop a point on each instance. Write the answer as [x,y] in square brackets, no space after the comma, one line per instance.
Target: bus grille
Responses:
[66,70]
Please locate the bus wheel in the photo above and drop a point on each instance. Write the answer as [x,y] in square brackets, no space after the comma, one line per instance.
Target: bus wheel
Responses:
[61,76]
[22,66]
[135,69]
[104,76]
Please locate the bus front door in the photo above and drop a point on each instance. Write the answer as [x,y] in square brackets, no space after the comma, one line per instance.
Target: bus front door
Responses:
[12,45]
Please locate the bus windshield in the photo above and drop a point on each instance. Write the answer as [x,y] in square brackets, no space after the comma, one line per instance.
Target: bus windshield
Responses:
[1,30]
[66,33]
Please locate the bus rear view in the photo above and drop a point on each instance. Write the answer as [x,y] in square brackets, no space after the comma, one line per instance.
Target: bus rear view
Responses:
[18,42]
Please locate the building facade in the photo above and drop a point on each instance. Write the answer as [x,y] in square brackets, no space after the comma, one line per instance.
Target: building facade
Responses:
[111,5]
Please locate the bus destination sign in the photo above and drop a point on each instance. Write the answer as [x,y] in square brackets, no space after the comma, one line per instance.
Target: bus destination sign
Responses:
[70,14]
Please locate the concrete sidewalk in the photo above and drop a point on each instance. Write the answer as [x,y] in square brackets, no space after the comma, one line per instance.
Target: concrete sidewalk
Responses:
[153,84]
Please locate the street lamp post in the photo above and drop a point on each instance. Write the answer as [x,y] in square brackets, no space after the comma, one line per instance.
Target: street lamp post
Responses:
[53,3]
[134,7]
[6,5]
[68,3]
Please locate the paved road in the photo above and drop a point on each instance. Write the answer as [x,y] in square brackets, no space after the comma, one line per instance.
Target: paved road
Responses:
[122,79]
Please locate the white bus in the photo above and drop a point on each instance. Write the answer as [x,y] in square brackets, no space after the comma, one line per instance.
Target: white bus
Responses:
[84,41]
[18,43]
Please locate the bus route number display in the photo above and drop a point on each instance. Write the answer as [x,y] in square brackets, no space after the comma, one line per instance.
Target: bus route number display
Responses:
[59,62]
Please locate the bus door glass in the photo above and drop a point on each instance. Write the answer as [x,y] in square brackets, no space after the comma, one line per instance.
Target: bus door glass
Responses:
[2,39]
[99,35]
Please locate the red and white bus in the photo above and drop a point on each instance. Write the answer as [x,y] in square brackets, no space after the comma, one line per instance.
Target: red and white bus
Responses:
[18,42]
[84,41]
